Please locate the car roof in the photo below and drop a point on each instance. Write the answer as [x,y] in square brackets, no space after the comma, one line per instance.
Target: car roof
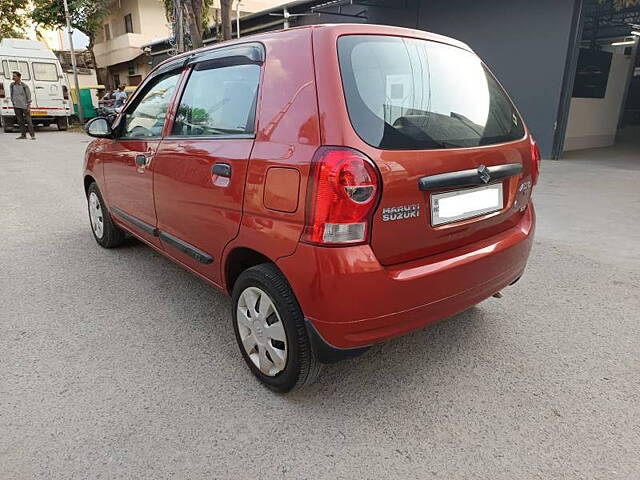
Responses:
[337,28]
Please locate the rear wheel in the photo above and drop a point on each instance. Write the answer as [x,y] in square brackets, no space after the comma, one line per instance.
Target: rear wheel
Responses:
[106,233]
[7,124]
[270,331]
[63,123]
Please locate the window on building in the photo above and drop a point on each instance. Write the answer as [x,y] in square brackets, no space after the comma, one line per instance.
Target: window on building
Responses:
[128,24]
[116,81]
[107,32]
[45,72]
[218,101]
[131,68]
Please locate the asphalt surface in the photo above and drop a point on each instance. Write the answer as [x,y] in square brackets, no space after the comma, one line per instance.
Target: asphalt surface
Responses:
[118,364]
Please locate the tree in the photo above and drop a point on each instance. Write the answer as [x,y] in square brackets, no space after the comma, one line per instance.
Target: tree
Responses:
[620,4]
[86,16]
[225,13]
[12,19]
[195,15]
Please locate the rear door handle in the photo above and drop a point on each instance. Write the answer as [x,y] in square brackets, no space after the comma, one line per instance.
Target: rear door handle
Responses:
[221,170]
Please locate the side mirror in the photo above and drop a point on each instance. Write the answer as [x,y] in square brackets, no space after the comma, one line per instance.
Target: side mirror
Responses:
[99,127]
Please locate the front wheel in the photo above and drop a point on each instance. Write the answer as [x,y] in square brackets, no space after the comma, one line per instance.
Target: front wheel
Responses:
[269,328]
[106,233]
[62,123]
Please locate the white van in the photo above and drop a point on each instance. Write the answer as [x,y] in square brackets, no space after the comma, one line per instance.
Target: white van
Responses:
[41,71]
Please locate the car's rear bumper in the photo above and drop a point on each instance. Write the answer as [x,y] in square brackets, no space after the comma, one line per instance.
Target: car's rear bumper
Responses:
[352,301]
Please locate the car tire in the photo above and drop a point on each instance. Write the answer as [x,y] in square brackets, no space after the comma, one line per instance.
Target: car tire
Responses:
[106,233]
[300,366]
[7,124]
[63,123]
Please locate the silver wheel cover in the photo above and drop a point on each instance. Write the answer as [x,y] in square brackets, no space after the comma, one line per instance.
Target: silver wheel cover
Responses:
[96,215]
[261,331]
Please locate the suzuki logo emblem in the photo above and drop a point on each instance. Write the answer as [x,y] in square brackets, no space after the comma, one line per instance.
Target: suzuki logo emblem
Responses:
[483,173]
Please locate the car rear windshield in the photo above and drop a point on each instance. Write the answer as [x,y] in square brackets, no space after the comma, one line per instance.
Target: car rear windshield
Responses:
[410,94]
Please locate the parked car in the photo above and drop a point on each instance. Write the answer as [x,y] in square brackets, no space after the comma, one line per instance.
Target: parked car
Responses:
[42,73]
[362,185]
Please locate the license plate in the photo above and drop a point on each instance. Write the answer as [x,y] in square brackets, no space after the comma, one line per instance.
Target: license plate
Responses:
[462,204]
[38,114]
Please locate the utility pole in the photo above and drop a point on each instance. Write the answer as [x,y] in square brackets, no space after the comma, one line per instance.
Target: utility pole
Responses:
[73,61]
[238,18]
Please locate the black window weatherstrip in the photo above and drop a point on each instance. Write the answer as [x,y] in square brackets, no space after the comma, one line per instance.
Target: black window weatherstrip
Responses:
[175,242]
[474,176]
[248,53]
[186,248]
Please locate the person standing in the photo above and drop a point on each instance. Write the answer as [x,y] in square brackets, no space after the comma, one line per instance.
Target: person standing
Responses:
[21,99]
[120,97]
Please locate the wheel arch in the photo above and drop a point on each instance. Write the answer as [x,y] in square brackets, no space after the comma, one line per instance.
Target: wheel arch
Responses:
[88,180]
[237,261]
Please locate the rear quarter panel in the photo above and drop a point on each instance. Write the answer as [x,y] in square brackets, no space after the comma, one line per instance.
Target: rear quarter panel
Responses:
[288,134]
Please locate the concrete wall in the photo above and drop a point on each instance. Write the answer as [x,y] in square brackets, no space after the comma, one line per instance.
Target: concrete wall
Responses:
[147,17]
[593,122]
[524,43]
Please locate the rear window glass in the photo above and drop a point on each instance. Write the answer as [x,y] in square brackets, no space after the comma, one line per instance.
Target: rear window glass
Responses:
[45,72]
[405,94]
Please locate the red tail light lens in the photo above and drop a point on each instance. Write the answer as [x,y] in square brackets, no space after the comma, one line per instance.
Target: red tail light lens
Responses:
[65,92]
[343,190]
[535,161]
[2,94]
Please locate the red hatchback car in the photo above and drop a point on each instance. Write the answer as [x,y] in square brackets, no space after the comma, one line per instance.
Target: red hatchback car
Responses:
[345,184]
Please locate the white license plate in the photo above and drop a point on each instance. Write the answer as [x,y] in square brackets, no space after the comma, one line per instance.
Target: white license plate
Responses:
[461,204]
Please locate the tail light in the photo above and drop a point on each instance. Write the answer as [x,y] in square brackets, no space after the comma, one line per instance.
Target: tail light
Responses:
[2,94]
[65,92]
[535,161]
[343,190]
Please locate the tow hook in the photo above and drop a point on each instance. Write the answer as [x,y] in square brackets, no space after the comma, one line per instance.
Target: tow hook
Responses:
[497,295]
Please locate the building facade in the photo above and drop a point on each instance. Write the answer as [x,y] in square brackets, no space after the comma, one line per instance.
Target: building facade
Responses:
[118,45]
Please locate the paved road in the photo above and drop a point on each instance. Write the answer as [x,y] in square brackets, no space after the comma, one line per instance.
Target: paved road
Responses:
[118,364]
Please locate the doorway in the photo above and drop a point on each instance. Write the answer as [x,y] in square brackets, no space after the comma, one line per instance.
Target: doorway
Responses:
[605,103]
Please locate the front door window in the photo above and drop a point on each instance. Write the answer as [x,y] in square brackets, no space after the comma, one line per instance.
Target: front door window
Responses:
[146,117]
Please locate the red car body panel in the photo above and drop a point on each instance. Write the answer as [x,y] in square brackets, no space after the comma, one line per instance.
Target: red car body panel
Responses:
[354,296]
[288,135]
[129,187]
[189,205]
[370,302]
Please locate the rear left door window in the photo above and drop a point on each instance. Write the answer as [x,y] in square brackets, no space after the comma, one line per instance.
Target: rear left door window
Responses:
[218,101]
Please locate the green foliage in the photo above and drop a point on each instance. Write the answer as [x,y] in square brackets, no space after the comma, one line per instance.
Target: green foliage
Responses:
[86,15]
[12,18]
[203,5]
[620,4]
